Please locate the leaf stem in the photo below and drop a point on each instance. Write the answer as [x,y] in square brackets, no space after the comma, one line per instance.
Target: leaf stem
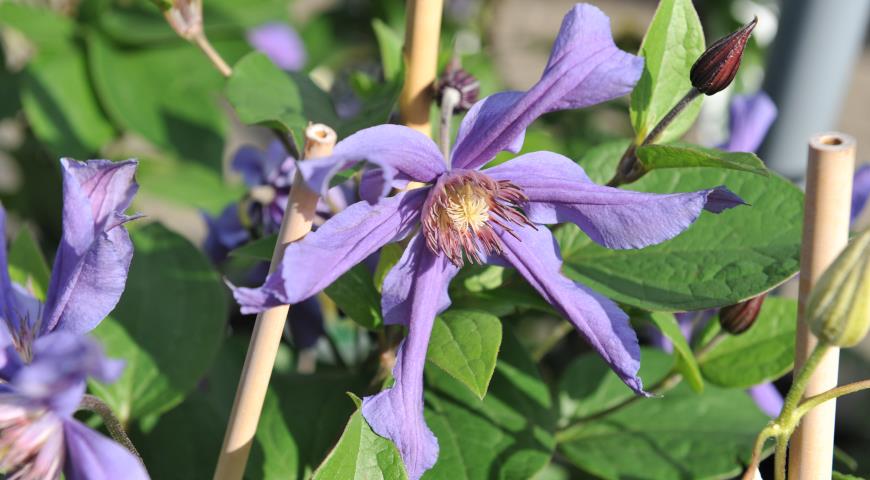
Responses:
[202,42]
[831,394]
[629,169]
[758,450]
[799,385]
[780,456]
[93,404]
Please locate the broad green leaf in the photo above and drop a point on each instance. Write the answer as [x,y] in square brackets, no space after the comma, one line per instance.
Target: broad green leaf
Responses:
[465,344]
[259,249]
[186,183]
[48,29]
[263,94]
[686,363]
[361,454]
[673,41]
[168,325]
[27,266]
[390,45]
[600,161]
[508,434]
[763,353]
[719,260]
[680,435]
[170,95]
[685,155]
[356,295]
[60,104]
[483,278]
[375,110]
[389,257]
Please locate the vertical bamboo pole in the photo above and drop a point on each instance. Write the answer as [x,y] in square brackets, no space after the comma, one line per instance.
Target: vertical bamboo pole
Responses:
[269,326]
[826,232]
[423,27]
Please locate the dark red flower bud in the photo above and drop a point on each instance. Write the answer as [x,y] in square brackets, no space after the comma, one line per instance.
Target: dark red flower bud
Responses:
[736,319]
[460,80]
[715,68]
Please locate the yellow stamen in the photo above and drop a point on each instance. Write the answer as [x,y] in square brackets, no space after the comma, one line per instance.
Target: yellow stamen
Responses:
[466,209]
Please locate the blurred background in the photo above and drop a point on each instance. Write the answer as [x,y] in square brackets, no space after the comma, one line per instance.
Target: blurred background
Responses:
[110,79]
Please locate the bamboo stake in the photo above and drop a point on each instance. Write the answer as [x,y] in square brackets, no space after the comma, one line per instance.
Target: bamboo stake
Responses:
[423,27]
[269,326]
[826,232]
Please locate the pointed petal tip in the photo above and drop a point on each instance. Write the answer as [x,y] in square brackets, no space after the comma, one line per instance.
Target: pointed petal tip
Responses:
[721,198]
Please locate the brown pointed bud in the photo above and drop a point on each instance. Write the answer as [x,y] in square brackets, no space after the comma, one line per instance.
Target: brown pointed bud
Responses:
[715,68]
[736,319]
[460,80]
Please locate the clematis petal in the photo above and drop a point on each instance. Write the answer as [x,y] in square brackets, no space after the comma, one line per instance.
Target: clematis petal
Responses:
[397,298]
[559,191]
[280,43]
[92,456]
[860,190]
[397,412]
[7,301]
[585,68]
[768,399]
[535,254]
[90,269]
[340,243]
[225,232]
[62,361]
[751,118]
[398,152]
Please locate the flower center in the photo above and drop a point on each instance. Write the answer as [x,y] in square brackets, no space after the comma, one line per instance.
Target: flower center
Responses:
[462,210]
[31,440]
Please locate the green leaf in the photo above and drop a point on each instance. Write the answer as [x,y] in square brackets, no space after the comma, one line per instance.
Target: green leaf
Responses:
[186,183]
[356,295]
[686,155]
[361,453]
[389,257]
[508,434]
[719,260]
[674,40]
[27,266]
[686,363]
[168,325]
[764,352]
[259,249]
[61,106]
[844,476]
[464,343]
[680,435]
[263,94]
[600,161]
[169,95]
[48,29]
[390,45]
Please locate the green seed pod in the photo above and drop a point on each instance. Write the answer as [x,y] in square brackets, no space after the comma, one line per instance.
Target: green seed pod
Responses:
[838,311]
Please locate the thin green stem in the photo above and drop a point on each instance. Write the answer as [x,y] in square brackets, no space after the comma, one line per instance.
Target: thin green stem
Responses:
[93,404]
[780,457]
[670,116]
[799,385]
[449,100]
[758,450]
[816,400]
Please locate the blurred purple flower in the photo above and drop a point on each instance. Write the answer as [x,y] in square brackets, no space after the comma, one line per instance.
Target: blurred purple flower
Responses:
[43,359]
[751,118]
[860,190]
[280,43]
[473,214]
[39,437]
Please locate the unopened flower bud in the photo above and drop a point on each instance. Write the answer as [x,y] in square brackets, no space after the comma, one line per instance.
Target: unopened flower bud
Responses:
[184,16]
[462,82]
[736,319]
[716,67]
[838,311]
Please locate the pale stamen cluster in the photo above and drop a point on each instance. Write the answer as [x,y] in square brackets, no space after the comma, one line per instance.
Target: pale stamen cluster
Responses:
[31,441]
[462,210]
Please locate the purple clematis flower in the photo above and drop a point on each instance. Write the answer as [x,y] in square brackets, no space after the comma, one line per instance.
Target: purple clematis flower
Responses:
[280,43]
[860,190]
[751,118]
[496,215]
[43,359]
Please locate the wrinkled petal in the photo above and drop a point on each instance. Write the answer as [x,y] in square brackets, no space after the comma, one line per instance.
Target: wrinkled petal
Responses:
[90,269]
[92,456]
[61,363]
[751,118]
[768,399]
[280,43]
[398,152]
[535,255]
[492,106]
[225,233]
[346,239]
[397,412]
[396,301]
[860,190]
[559,191]
[585,68]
